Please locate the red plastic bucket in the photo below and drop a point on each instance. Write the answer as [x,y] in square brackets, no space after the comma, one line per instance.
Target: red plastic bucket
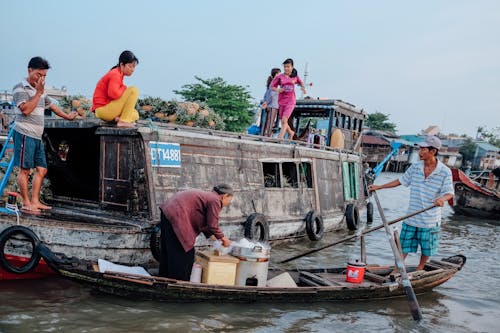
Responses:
[355,272]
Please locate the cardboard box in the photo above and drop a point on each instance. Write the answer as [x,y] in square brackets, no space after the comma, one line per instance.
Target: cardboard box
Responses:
[217,269]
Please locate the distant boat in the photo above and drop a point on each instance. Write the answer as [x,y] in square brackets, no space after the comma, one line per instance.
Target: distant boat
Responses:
[474,199]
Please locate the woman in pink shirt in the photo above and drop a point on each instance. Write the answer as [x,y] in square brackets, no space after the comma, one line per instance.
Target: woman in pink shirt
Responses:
[285,84]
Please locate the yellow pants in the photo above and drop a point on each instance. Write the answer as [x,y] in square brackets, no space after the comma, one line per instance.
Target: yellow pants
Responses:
[123,107]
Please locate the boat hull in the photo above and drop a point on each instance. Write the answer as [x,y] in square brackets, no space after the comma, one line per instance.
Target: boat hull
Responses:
[42,270]
[472,199]
[131,243]
[168,290]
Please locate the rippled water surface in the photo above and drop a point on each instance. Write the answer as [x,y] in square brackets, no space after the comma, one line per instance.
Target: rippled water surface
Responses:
[469,302]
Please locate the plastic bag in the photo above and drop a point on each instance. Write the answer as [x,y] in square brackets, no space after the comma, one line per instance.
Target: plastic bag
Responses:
[217,246]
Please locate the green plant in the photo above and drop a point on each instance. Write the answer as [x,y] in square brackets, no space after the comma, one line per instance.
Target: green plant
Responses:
[232,102]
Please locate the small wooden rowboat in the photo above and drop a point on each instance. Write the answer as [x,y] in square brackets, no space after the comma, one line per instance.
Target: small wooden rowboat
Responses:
[325,284]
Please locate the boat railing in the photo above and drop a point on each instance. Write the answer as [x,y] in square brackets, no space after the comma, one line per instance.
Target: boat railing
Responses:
[243,136]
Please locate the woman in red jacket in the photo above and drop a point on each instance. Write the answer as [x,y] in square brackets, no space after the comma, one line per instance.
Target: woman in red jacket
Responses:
[114,101]
[183,217]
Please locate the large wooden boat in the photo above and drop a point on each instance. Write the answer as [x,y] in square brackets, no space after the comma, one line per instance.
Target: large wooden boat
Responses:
[107,183]
[474,199]
[311,285]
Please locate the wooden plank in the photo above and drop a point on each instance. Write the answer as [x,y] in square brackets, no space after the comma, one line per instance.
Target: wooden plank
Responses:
[308,282]
[122,278]
[318,279]
[375,277]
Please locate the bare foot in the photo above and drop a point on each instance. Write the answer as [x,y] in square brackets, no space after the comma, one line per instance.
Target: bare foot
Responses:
[124,124]
[30,209]
[41,206]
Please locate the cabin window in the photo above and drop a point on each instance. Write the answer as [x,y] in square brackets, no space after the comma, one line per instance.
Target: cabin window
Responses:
[290,175]
[336,120]
[355,124]
[305,174]
[347,122]
[342,121]
[271,174]
[350,177]
[360,125]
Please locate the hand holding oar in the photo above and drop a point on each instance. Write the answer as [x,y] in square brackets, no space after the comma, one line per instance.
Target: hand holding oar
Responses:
[354,236]
[412,299]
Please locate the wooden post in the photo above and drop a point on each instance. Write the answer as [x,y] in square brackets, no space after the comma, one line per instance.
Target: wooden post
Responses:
[363,249]
[317,206]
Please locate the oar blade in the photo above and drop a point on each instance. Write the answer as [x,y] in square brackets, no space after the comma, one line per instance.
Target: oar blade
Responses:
[413,303]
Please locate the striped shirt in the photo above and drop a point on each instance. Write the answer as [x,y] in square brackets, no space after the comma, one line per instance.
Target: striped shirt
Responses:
[423,191]
[30,125]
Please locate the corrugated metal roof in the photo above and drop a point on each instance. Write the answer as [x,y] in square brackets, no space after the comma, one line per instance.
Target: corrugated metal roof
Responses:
[486,146]
[403,142]
[374,140]
[412,138]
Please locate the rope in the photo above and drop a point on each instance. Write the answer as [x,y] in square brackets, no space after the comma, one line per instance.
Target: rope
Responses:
[13,208]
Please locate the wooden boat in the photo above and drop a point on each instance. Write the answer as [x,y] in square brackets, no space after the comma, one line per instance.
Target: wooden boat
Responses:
[313,285]
[474,199]
[107,183]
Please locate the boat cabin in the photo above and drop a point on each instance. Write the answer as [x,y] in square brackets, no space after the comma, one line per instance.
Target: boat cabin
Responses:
[106,183]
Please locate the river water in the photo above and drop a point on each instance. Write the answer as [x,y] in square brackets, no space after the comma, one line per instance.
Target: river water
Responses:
[469,302]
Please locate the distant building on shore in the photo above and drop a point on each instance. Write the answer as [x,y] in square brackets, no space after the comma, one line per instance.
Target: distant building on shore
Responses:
[486,156]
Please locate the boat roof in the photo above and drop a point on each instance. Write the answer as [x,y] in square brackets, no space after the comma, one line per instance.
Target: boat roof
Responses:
[322,107]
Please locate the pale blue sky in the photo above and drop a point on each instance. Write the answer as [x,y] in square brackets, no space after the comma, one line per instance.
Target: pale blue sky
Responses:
[423,62]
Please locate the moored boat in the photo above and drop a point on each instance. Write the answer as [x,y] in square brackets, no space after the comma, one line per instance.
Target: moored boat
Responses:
[310,285]
[106,183]
[474,199]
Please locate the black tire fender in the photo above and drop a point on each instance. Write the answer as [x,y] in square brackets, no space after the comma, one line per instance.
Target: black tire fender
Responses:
[155,242]
[7,234]
[50,258]
[257,228]
[352,216]
[314,226]
[369,212]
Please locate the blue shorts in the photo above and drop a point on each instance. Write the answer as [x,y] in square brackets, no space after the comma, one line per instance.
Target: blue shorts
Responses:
[411,237]
[29,152]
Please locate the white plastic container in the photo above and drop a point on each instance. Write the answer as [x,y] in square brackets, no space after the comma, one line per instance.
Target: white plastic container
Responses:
[196,273]
[248,271]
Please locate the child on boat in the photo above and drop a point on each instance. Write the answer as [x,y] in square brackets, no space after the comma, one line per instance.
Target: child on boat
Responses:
[269,105]
[286,98]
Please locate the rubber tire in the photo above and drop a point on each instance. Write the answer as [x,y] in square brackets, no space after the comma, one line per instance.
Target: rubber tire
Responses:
[50,258]
[352,216]
[5,235]
[369,212]
[258,222]
[314,226]
[155,242]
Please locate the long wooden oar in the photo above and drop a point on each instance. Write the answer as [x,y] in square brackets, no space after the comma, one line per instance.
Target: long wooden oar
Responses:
[405,282]
[354,236]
